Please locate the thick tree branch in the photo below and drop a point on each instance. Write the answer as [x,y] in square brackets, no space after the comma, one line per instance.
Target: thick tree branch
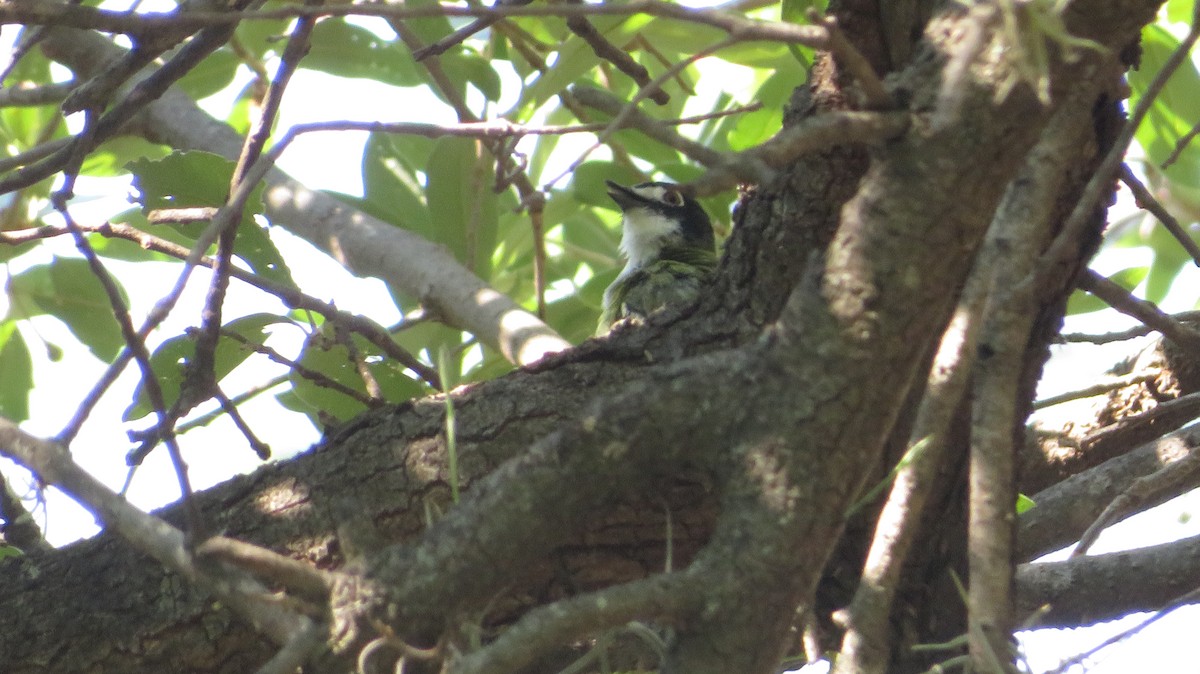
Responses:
[1064,511]
[1024,223]
[1064,593]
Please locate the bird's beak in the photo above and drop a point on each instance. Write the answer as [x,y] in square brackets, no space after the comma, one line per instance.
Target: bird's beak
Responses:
[624,196]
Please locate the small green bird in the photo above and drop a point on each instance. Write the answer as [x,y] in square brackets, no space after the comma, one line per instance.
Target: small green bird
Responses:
[669,250]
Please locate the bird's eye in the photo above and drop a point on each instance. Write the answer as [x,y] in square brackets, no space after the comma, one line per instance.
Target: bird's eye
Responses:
[673,198]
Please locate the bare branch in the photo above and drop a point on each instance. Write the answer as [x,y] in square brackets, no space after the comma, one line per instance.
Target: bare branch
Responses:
[1124,335]
[1145,200]
[1165,573]
[865,644]
[135,343]
[1065,510]
[1110,384]
[652,127]
[291,297]
[811,135]
[150,23]
[643,92]
[1179,602]
[462,34]
[619,58]
[200,381]
[1172,479]
[1147,312]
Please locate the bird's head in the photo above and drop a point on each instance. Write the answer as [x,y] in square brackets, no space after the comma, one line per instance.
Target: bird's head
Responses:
[659,216]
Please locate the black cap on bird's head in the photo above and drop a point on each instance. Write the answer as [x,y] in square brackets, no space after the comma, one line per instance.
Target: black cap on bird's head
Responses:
[667,201]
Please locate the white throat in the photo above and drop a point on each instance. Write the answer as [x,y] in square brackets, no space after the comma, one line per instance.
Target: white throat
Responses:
[644,231]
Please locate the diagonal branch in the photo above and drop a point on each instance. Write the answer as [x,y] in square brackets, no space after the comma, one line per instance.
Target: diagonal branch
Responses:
[52,463]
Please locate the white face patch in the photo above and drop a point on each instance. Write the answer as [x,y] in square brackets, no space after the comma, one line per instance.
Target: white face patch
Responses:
[643,233]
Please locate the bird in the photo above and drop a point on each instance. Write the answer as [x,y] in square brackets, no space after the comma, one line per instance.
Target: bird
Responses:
[669,248]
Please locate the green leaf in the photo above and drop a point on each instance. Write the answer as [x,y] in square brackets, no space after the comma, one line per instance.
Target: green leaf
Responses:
[188,179]
[17,367]
[391,187]
[1025,504]
[1173,112]
[265,36]
[332,360]
[169,361]
[345,50]
[470,67]
[67,290]
[461,202]
[754,127]
[796,11]
[1180,11]
[642,146]
[182,180]
[211,75]
[112,157]
[1082,302]
[587,183]
[431,29]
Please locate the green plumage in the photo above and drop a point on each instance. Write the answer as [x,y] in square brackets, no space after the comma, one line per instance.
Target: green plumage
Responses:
[669,244]
[658,285]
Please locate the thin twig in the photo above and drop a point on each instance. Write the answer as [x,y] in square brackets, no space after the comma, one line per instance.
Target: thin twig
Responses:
[252,392]
[1146,201]
[1181,145]
[1173,478]
[136,344]
[618,57]
[1125,335]
[811,135]
[148,89]
[654,128]
[1147,312]
[149,23]
[1179,602]
[34,154]
[200,380]
[315,377]
[1096,389]
[628,109]
[462,34]
[291,297]
[260,448]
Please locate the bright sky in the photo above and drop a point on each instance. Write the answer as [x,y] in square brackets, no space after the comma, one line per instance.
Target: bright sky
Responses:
[331,161]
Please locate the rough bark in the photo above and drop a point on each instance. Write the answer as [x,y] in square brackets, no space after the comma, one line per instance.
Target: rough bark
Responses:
[760,416]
